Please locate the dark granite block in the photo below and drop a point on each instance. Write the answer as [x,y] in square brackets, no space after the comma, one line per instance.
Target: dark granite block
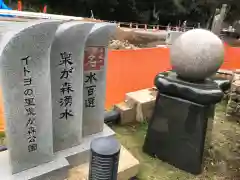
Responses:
[176,132]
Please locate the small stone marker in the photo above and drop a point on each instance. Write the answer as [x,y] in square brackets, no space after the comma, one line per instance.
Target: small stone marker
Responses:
[25,79]
[67,83]
[95,60]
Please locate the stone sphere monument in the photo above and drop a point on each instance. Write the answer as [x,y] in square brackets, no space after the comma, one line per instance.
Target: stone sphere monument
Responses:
[182,119]
[197,54]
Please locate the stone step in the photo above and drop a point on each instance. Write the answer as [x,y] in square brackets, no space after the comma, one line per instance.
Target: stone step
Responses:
[225,74]
[236,86]
[143,101]
[128,168]
[128,114]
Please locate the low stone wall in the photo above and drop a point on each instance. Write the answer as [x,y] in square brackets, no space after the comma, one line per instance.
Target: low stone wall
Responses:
[233,106]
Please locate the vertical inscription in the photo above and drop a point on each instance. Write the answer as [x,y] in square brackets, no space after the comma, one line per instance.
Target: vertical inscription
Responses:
[66,90]
[93,61]
[29,105]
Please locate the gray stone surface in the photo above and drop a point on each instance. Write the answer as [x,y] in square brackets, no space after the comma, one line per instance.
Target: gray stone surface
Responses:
[172,36]
[197,54]
[67,83]
[26,93]
[218,20]
[80,154]
[233,106]
[95,61]
[55,170]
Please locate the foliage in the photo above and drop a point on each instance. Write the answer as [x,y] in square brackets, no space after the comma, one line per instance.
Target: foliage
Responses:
[143,11]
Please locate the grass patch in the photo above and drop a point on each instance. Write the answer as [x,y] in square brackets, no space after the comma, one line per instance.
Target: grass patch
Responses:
[221,162]
[2,135]
[2,138]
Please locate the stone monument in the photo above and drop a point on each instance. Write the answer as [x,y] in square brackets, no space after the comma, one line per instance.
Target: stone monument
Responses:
[68,85]
[67,53]
[95,61]
[25,75]
[40,62]
[186,96]
[197,54]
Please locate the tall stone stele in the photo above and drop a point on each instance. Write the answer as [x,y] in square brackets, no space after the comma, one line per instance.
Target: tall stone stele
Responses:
[25,83]
[67,53]
[181,121]
[95,66]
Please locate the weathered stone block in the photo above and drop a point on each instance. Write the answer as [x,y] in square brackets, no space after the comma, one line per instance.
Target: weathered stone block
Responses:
[143,101]
[236,86]
[128,114]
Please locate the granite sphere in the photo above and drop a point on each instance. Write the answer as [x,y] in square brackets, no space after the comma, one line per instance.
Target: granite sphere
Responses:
[197,54]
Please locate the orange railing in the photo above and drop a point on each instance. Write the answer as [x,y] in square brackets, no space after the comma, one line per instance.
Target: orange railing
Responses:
[130,70]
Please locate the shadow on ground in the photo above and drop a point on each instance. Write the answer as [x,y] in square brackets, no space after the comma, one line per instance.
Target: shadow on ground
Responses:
[222,161]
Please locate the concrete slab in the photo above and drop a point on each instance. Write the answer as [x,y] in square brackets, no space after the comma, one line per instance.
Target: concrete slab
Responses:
[80,154]
[44,171]
[58,168]
[128,167]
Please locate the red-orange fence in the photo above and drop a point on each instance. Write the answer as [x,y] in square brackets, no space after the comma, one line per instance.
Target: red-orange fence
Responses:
[130,70]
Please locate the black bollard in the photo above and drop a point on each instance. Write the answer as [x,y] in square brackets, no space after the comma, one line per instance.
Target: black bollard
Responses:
[104,159]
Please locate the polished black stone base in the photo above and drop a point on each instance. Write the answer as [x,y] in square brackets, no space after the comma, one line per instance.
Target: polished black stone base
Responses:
[176,132]
[182,121]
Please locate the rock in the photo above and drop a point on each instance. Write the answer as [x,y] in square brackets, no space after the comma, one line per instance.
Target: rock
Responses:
[233,104]
[234,96]
[236,86]
[197,54]
[229,110]
[117,44]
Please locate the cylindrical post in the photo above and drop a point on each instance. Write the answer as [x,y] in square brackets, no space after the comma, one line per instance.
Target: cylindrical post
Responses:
[104,159]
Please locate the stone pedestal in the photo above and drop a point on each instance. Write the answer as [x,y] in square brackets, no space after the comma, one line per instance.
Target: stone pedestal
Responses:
[180,123]
[58,168]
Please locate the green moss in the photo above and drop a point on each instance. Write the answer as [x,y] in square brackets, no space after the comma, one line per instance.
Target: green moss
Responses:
[2,138]
[221,162]
[2,135]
